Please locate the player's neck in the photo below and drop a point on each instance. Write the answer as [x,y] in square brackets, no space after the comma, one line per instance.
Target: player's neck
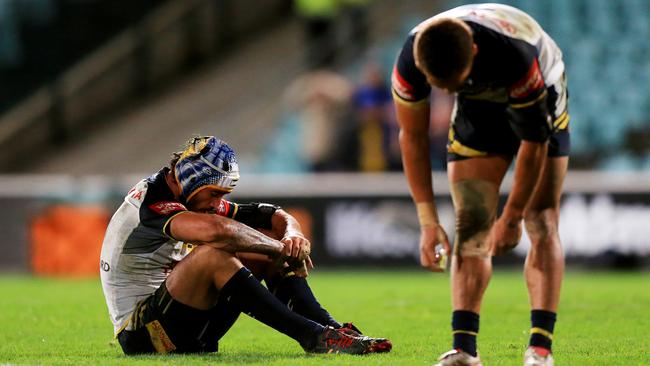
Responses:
[172,184]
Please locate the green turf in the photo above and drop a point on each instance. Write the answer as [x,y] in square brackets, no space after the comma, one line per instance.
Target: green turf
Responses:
[603,320]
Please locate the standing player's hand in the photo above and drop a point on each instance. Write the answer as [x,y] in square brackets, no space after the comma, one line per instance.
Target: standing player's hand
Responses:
[505,235]
[430,236]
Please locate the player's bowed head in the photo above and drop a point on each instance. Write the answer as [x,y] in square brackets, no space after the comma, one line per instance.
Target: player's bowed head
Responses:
[444,51]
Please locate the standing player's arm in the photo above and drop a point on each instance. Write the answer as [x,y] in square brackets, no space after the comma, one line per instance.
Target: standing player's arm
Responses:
[530,119]
[528,167]
[222,233]
[413,120]
[410,94]
[530,161]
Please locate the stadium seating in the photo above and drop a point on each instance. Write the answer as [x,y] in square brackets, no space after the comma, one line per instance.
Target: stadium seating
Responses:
[608,67]
[608,70]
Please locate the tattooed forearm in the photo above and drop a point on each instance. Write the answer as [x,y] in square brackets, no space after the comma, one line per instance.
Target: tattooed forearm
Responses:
[238,237]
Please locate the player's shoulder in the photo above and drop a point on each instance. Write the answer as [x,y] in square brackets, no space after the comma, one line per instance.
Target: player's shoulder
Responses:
[135,196]
[150,191]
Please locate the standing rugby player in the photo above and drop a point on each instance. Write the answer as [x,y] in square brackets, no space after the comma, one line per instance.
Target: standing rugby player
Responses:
[511,104]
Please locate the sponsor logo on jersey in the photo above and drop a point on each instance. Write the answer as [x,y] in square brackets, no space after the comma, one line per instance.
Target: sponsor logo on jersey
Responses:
[166,207]
[136,194]
[224,208]
[530,83]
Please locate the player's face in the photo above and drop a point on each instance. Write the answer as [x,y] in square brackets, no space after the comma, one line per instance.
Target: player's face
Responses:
[453,84]
[207,200]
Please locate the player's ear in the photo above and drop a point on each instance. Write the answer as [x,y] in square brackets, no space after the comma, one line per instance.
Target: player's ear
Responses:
[474,49]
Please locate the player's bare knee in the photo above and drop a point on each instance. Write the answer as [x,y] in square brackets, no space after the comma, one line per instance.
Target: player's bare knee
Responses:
[541,224]
[473,224]
[212,259]
[475,202]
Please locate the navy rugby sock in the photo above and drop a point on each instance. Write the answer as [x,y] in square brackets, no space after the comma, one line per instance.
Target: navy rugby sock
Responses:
[248,294]
[541,331]
[295,292]
[464,325]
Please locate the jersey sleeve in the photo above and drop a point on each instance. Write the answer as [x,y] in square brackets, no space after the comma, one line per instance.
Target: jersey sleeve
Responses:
[227,209]
[527,95]
[256,215]
[157,214]
[408,83]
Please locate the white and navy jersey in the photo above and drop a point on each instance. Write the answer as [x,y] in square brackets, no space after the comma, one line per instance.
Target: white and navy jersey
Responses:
[515,63]
[138,250]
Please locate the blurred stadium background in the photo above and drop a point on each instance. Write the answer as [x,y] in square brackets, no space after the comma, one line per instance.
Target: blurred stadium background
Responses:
[96,94]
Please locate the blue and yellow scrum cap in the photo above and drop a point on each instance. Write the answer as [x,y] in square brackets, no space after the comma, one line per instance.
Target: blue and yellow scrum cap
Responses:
[206,162]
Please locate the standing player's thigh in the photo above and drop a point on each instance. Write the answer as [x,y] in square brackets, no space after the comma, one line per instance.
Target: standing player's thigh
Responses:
[474,184]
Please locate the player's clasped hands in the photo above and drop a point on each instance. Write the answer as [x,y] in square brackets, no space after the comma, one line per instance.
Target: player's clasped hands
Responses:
[296,252]
[430,258]
[296,245]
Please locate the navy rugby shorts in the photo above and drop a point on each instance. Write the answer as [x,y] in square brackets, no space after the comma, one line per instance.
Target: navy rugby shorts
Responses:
[481,127]
[160,324]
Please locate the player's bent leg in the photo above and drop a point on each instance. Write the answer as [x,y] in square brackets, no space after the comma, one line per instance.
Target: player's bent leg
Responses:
[242,289]
[545,260]
[293,291]
[260,265]
[176,318]
[544,266]
[161,324]
[195,280]
[475,192]
[245,293]
[474,188]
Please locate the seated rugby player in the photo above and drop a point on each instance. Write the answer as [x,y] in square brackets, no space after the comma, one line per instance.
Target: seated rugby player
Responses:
[179,263]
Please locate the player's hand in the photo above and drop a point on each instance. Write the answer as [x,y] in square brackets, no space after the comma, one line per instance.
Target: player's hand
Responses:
[296,246]
[504,235]
[300,268]
[430,236]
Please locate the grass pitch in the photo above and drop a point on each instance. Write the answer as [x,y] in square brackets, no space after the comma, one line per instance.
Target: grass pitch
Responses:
[603,320]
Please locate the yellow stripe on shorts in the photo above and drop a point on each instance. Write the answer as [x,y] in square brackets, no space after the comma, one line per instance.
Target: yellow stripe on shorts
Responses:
[159,337]
[562,121]
[456,147]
